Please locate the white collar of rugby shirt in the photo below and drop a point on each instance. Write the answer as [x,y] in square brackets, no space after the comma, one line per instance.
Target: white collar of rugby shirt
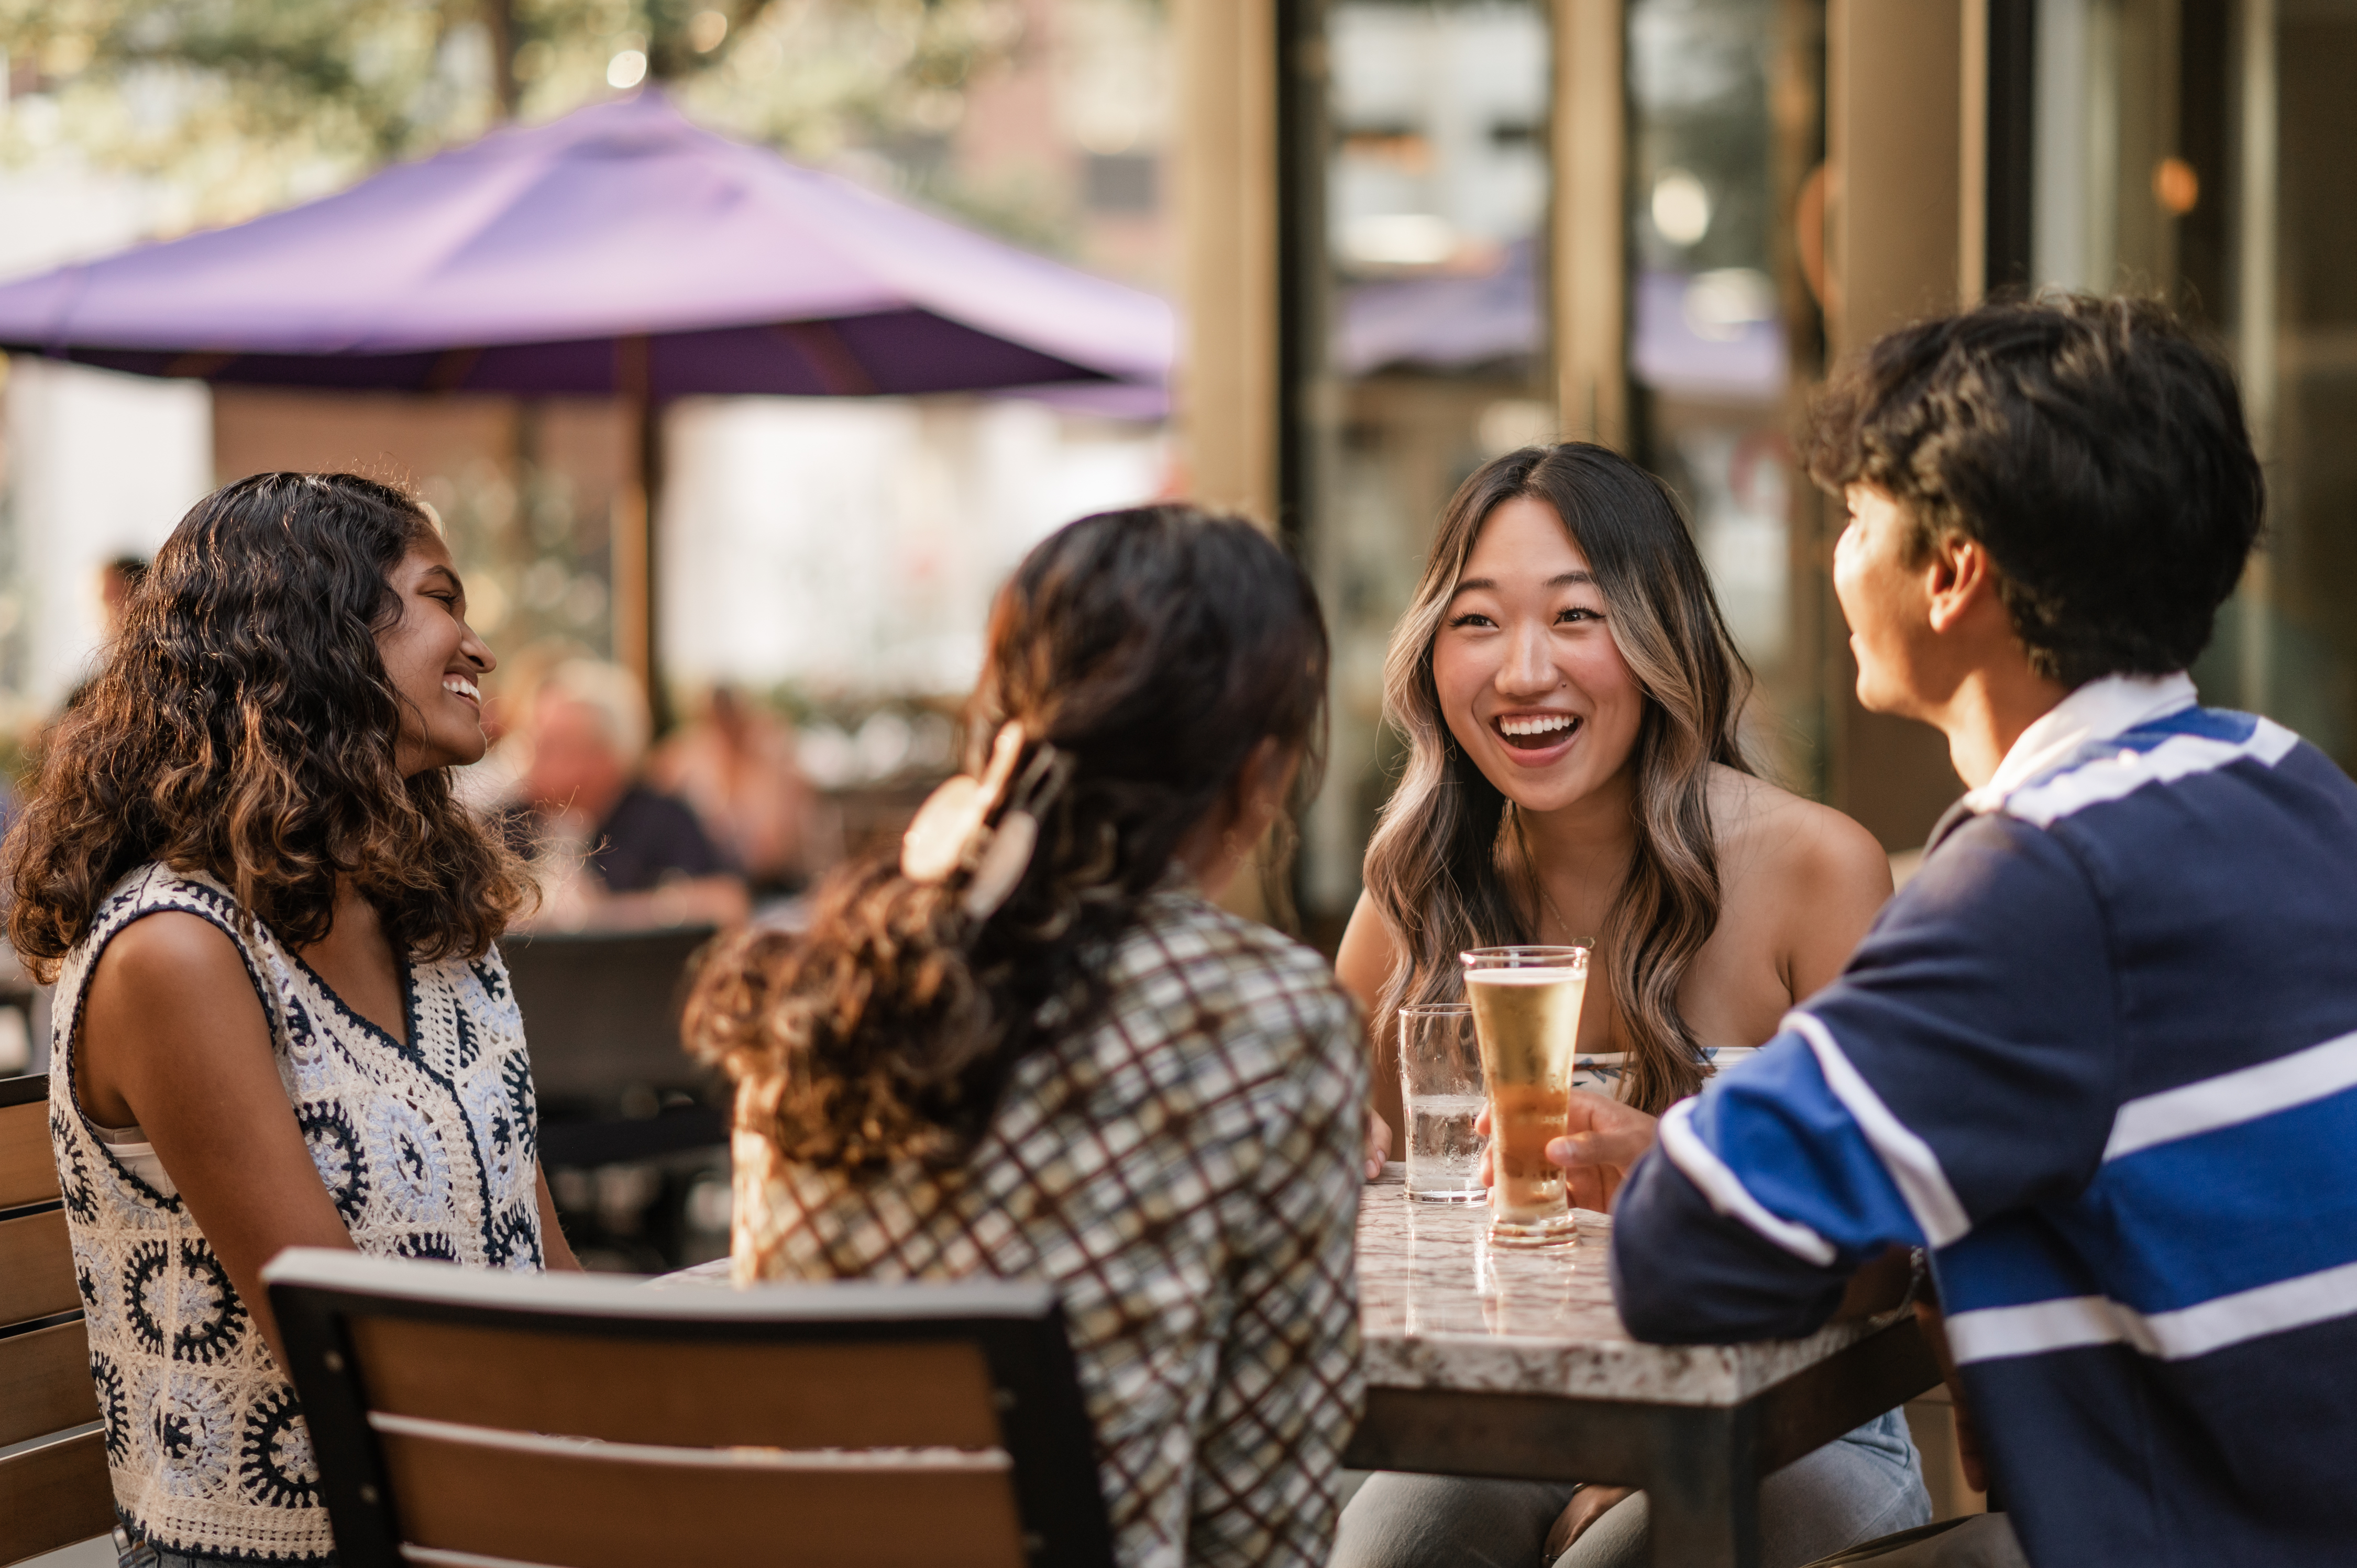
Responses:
[2096,711]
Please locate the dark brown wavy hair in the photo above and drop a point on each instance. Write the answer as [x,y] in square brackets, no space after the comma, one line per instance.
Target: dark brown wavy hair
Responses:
[1447,867]
[243,725]
[1155,648]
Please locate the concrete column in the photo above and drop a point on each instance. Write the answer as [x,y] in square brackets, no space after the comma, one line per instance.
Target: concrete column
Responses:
[1226,158]
[1225,155]
[1590,286]
[1896,140]
[1895,133]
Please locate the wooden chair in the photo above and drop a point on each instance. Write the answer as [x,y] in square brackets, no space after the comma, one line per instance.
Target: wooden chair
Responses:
[53,1486]
[602,1010]
[464,1417]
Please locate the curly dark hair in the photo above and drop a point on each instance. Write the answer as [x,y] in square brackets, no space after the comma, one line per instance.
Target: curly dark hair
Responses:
[243,725]
[1155,649]
[2094,446]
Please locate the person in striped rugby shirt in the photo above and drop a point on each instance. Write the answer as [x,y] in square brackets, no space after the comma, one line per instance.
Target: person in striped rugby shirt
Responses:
[2099,1058]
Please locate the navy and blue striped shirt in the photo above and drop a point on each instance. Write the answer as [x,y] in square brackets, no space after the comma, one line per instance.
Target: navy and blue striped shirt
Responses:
[2100,1056]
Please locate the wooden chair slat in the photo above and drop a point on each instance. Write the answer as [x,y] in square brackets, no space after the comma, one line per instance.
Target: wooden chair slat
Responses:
[36,1274]
[45,1383]
[28,1170]
[450,1409]
[583,1512]
[54,1496]
[914,1395]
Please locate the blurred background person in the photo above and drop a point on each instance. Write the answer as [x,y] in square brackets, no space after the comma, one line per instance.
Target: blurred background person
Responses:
[491,786]
[117,581]
[734,763]
[610,851]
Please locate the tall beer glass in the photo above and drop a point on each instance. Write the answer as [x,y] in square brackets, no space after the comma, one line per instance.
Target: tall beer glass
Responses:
[1527,1017]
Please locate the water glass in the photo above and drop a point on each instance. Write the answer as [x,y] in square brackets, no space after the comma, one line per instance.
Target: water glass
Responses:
[1440,1090]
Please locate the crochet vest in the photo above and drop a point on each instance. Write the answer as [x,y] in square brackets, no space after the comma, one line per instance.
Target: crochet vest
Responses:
[428,1149]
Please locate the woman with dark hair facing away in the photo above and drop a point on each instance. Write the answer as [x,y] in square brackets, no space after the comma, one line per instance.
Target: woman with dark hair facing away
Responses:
[1571,698]
[1029,1047]
[280,1020]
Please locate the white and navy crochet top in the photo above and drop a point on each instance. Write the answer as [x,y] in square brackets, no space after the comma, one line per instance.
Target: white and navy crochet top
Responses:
[429,1150]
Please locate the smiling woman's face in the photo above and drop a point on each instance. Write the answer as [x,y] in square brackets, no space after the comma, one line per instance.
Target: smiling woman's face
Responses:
[436,663]
[1529,678]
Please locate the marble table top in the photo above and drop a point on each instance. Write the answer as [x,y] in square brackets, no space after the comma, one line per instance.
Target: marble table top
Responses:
[1440,1309]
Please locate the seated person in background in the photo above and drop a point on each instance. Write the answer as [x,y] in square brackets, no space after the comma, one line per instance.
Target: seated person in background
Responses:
[488,788]
[1032,1047]
[2098,1055]
[1564,598]
[610,852]
[734,763]
[117,581]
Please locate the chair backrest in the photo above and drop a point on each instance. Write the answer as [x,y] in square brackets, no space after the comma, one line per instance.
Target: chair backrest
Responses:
[53,1485]
[583,1422]
[601,1009]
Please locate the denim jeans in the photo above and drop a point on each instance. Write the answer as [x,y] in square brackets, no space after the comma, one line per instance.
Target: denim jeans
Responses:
[1867,1483]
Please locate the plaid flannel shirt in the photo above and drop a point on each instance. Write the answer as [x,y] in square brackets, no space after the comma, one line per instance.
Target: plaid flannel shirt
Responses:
[1186,1173]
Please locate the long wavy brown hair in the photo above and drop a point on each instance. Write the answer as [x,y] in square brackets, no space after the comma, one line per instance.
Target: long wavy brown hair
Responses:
[1447,867]
[1155,648]
[243,725]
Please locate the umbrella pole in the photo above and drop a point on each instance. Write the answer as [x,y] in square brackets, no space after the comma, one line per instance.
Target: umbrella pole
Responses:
[637,635]
[650,486]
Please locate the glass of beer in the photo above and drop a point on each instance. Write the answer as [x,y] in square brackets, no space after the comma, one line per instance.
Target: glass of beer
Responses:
[1525,1005]
[1440,1090]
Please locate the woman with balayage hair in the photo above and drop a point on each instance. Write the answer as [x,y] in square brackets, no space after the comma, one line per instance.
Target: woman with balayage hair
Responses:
[280,1020]
[1576,774]
[1029,1047]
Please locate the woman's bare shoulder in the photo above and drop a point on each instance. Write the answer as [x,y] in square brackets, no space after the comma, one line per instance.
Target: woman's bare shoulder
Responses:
[170,949]
[1767,832]
[170,1017]
[163,972]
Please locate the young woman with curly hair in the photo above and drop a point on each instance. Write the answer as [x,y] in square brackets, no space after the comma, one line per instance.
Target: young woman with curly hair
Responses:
[280,1020]
[1570,698]
[1029,1047]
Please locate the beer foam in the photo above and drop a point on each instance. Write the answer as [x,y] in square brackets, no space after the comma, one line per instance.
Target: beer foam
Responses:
[1523,976]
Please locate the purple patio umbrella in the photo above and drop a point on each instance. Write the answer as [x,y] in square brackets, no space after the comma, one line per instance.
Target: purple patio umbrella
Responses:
[619,249]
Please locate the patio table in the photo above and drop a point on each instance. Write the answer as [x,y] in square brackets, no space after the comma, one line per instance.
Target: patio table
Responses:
[1486,1361]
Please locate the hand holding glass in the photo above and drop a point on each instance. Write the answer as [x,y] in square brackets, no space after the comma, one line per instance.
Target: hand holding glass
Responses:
[1525,1003]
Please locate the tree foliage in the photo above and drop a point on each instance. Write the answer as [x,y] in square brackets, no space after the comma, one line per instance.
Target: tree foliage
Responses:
[247,105]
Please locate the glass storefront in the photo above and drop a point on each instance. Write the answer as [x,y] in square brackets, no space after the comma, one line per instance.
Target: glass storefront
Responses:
[2193,149]
[1727,140]
[1434,353]
[2292,649]
[2199,150]
[1436,331]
